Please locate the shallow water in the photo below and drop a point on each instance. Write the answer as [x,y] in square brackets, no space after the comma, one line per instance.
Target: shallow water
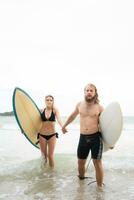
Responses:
[32,180]
[23,175]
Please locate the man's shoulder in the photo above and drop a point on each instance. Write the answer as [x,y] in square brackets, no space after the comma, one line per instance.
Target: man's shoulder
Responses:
[100,107]
[79,103]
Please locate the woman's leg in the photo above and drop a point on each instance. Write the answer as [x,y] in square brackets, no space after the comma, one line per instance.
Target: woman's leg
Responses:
[51,147]
[43,147]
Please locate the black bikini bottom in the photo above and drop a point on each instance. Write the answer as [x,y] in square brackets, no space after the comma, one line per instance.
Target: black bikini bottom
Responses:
[47,137]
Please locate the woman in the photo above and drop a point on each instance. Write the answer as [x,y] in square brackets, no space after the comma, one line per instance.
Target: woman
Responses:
[47,136]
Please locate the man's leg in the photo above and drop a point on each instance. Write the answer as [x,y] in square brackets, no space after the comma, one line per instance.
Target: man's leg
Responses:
[99,171]
[81,168]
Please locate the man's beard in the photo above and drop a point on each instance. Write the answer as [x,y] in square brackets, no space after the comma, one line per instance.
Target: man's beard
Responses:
[90,100]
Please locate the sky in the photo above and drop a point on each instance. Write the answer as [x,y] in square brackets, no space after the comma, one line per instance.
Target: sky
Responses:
[57,47]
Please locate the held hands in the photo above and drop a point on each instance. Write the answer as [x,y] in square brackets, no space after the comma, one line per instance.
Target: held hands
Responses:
[64,130]
[111,148]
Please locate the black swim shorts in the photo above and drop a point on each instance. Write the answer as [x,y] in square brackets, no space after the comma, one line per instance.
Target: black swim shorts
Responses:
[91,142]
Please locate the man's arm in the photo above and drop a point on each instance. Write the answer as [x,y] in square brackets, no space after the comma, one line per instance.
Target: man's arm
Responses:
[101,110]
[70,119]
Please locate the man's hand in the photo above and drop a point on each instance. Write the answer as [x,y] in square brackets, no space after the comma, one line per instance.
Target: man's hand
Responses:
[64,130]
[111,147]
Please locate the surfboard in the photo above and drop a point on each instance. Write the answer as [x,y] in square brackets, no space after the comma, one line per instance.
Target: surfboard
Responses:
[27,115]
[111,123]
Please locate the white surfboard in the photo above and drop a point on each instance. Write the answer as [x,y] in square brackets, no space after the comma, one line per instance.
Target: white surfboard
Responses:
[111,123]
[27,115]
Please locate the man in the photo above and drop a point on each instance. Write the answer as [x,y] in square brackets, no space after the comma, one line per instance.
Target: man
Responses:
[90,138]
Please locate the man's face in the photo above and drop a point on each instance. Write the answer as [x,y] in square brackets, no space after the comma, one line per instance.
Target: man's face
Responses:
[89,93]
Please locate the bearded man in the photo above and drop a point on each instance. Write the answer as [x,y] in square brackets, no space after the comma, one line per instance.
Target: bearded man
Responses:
[90,136]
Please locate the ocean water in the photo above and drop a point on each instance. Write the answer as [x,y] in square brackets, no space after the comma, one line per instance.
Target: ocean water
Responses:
[23,175]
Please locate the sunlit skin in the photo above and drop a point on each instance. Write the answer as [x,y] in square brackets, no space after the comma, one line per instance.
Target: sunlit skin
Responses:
[48,127]
[89,110]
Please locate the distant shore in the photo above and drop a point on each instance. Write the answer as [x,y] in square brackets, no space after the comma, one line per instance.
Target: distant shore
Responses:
[11,113]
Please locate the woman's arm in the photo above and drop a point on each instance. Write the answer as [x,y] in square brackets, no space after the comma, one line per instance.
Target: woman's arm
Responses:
[58,117]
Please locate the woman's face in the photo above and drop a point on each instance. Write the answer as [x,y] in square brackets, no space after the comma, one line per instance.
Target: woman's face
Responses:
[49,101]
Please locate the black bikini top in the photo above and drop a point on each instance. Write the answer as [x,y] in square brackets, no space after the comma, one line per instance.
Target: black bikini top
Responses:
[51,118]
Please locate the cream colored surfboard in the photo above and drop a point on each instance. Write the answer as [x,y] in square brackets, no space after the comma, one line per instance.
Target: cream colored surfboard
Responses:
[27,115]
[111,123]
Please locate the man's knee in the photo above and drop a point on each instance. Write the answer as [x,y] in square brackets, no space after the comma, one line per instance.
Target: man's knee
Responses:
[81,162]
[97,162]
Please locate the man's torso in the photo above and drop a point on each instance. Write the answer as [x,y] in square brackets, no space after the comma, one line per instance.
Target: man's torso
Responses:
[89,117]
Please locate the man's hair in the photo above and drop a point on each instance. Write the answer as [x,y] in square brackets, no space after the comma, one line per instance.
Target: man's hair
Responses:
[96,99]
